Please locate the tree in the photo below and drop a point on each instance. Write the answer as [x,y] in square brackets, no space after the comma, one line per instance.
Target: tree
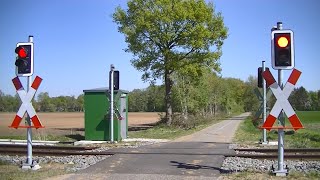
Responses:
[250,100]
[80,102]
[138,100]
[2,107]
[319,99]
[60,103]
[9,103]
[165,36]
[155,98]
[300,99]
[314,100]
[45,102]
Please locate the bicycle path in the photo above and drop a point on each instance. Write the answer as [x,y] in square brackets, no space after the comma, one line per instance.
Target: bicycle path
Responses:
[196,156]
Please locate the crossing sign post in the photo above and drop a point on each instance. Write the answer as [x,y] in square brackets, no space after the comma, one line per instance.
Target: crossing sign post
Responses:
[282,104]
[24,67]
[282,56]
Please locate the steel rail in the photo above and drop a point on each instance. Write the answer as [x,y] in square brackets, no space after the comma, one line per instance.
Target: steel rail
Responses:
[276,150]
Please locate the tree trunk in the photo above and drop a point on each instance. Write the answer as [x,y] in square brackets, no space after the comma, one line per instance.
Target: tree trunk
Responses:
[168,97]
[215,109]
[184,105]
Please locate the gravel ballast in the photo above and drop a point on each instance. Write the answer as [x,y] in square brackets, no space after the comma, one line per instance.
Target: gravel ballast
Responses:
[238,164]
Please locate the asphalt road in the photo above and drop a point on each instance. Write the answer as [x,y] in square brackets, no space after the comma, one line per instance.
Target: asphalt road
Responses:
[197,156]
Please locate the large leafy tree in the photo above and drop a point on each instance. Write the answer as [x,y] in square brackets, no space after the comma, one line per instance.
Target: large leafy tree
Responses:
[168,35]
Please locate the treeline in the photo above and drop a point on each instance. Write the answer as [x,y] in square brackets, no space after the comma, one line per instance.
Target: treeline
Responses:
[43,103]
[207,96]
[303,100]
[215,94]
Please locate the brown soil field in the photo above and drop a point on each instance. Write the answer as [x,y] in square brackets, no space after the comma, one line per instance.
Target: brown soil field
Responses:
[68,122]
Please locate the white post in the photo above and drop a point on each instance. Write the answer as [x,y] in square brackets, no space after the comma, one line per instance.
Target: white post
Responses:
[29,130]
[280,131]
[264,132]
[281,171]
[111,102]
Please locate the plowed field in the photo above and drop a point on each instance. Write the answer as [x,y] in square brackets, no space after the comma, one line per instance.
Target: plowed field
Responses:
[66,123]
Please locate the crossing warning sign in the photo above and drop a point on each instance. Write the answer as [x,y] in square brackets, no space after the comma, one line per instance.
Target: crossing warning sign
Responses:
[26,105]
[282,102]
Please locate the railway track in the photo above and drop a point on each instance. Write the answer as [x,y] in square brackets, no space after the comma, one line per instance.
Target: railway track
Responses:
[294,150]
[39,150]
[290,153]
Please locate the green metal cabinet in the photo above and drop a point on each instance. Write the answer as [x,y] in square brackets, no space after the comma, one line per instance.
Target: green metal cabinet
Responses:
[97,116]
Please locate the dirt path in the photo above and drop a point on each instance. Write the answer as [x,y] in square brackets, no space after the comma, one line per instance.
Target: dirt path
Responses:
[222,132]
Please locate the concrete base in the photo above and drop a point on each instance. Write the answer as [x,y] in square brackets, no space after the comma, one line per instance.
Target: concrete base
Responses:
[264,143]
[281,173]
[274,143]
[34,166]
[269,143]
[85,142]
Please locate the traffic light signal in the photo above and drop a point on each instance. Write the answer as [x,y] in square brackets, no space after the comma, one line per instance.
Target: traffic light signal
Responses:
[116,81]
[282,50]
[116,76]
[24,60]
[260,85]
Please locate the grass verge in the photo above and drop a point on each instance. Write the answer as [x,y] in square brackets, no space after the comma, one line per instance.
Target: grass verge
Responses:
[9,171]
[67,138]
[303,138]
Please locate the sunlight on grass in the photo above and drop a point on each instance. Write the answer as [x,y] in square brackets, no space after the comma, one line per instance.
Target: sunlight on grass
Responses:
[303,138]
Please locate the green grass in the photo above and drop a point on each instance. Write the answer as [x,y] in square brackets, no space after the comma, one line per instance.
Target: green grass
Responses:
[42,138]
[303,138]
[14,172]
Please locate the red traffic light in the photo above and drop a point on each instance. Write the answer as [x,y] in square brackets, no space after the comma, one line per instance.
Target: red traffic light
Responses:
[24,59]
[22,53]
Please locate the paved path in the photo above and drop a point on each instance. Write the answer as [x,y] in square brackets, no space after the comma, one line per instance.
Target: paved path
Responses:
[197,156]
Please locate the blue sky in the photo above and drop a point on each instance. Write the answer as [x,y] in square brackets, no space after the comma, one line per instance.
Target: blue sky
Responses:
[76,41]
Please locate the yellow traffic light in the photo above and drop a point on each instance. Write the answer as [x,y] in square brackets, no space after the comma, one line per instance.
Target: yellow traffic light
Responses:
[283,42]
